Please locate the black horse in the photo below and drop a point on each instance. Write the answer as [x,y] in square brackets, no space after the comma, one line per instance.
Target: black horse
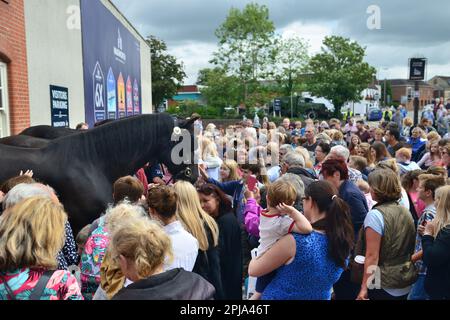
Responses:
[82,167]
[24,141]
[47,132]
[37,137]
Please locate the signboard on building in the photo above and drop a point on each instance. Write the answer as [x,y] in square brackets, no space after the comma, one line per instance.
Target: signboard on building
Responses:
[59,104]
[111,56]
[417,68]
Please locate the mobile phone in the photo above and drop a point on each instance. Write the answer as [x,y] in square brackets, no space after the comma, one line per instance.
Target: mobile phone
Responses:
[252,182]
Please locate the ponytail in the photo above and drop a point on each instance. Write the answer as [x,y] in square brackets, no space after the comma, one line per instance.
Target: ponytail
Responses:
[337,223]
[339,231]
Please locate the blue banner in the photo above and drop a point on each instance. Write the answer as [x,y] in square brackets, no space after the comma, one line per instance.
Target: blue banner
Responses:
[111,63]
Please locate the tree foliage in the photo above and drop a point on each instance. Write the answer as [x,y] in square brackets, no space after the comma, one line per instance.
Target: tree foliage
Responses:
[246,41]
[292,60]
[220,90]
[339,72]
[167,73]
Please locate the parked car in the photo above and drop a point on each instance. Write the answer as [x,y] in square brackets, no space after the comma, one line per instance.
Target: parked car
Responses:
[306,108]
[374,114]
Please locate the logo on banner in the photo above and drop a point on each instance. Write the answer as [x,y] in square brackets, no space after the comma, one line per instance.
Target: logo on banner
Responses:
[136,104]
[112,100]
[129,97]
[118,51]
[99,93]
[121,96]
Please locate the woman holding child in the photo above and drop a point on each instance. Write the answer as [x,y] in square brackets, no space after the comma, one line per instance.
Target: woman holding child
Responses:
[307,265]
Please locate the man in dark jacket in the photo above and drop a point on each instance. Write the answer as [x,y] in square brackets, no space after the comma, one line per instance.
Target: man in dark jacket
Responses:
[336,172]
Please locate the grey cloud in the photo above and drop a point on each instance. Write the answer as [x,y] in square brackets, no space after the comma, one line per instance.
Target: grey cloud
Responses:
[408,26]
[412,21]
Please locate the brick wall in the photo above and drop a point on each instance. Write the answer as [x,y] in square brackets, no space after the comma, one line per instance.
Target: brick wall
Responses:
[13,52]
[426,95]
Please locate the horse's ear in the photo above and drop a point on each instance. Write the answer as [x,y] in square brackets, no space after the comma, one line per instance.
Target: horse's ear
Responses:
[187,124]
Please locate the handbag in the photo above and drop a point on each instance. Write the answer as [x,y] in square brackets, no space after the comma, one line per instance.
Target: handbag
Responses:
[356,269]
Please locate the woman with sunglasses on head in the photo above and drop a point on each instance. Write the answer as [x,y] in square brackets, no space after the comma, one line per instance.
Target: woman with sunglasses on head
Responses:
[216,203]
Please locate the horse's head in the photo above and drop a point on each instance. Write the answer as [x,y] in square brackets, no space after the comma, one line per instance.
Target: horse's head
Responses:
[180,157]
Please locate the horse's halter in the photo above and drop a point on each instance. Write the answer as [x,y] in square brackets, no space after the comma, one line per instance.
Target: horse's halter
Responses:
[187,172]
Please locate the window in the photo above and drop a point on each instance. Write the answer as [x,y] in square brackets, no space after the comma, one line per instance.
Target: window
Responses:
[4,108]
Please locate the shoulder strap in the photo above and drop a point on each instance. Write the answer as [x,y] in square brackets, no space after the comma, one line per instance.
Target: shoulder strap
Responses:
[8,289]
[40,286]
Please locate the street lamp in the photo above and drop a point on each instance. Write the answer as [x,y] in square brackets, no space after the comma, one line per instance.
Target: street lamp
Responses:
[385,83]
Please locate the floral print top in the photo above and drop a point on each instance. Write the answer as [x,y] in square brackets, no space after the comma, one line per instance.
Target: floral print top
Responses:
[61,286]
[91,260]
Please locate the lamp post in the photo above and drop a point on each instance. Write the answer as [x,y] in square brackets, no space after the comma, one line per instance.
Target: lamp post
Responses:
[292,105]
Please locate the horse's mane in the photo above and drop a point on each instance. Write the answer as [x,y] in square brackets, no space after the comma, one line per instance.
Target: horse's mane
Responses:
[115,139]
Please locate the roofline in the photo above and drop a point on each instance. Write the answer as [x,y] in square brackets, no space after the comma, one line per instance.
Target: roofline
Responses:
[128,21]
[441,77]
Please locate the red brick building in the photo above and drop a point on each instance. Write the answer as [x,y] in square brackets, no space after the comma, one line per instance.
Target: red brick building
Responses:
[13,69]
[44,76]
[403,92]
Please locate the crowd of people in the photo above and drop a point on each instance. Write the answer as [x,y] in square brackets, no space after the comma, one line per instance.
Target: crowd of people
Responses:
[332,211]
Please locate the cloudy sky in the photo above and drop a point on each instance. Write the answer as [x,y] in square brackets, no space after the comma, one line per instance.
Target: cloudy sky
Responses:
[407,28]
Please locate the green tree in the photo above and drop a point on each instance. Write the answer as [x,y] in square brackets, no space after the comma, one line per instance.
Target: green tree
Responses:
[246,40]
[167,73]
[220,90]
[339,72]
[292,60]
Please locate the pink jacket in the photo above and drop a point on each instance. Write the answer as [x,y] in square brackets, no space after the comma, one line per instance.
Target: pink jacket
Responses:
[252,212]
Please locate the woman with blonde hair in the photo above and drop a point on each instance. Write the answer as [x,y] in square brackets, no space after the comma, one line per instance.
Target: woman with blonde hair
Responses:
[355,141]
[433,135]
[407,126]
[432,157]
[305,154]
[141,248]
[31,235]
[96,246]
[389,241]
[435,245]
[363,150]
[229,171]
[210,157]
[391,164]
[378,136]
[338,139]
[204,228]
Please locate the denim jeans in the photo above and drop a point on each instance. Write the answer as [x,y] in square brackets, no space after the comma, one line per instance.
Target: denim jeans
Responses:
[418,289]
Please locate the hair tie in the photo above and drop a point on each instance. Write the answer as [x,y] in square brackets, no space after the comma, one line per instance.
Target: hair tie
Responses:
[334,197]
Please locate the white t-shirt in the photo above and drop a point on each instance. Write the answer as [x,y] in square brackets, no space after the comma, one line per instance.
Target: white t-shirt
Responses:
[272,229]
[184,245]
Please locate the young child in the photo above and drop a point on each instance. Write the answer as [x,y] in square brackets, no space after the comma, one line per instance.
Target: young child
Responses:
[428,184]
[280,219]
[364,187]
